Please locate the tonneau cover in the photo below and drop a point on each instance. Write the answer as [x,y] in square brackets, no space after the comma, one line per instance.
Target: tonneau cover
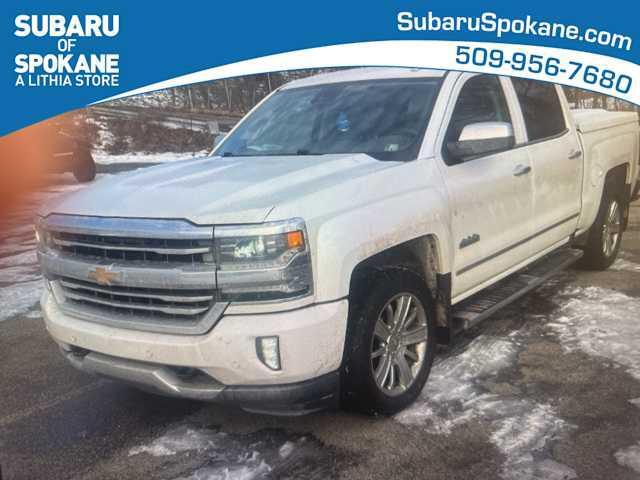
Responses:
[589,120]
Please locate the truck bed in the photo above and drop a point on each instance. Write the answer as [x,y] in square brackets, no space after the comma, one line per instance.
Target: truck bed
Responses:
[607,139]
[590,120]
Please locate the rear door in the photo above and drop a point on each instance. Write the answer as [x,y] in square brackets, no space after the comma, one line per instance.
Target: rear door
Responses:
[556,160]
[492,195]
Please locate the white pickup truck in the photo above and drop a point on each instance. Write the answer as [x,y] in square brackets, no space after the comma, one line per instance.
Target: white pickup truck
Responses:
[344,227]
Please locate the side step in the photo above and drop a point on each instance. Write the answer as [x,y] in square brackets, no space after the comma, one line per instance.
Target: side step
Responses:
[476,308]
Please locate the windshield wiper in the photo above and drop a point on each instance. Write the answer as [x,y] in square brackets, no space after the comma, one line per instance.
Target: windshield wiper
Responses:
[300,152]
[304,151]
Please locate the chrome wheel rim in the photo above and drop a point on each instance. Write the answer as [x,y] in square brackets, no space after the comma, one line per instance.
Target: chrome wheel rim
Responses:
[611,229]
[399,343]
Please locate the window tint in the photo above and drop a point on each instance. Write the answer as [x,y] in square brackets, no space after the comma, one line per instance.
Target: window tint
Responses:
[540,107]
[480,100]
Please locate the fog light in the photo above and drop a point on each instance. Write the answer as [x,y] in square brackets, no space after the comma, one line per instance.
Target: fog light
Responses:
[268,350]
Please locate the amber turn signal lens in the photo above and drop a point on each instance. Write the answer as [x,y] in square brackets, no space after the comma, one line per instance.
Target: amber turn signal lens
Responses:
[295,239]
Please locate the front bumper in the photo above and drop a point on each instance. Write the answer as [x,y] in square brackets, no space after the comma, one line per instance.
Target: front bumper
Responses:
[289,399]
[223,365]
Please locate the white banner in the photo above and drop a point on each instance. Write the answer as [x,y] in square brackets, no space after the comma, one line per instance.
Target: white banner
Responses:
[598,73]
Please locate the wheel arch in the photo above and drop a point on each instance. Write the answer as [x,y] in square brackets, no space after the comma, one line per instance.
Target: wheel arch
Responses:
[422,256]
[617,178]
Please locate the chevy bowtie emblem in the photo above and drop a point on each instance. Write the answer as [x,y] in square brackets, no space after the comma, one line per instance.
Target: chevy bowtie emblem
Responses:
[102,276]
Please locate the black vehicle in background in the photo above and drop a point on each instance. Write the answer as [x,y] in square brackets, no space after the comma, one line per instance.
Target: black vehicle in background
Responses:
[58,145]
[70,154]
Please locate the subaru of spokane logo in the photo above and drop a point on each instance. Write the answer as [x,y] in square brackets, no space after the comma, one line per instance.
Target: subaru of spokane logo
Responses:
[103,276]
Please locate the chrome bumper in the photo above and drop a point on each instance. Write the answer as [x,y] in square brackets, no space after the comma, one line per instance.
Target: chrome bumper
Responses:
[158,378]
[289,399]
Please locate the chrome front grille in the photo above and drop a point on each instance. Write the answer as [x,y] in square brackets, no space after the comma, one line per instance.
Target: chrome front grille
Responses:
[154,275]
[131,249]
[152,302]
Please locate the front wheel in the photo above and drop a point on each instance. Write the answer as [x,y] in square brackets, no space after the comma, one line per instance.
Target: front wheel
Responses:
[390,345]
[605,236]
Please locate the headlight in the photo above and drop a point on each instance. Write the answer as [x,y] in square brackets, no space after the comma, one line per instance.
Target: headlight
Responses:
[263,262]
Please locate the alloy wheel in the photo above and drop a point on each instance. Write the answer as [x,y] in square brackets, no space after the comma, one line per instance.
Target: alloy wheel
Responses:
[399,343]
[611,229]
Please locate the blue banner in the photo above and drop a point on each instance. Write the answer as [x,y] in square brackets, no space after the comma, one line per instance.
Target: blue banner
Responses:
[59,57]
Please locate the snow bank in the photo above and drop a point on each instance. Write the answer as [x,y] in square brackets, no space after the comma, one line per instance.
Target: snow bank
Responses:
[106,159]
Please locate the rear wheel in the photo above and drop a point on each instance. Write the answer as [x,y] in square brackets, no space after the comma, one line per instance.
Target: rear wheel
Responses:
[605,236]
[390,345]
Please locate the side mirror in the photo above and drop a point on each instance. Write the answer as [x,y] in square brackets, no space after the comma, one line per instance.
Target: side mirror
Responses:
[482,138]
[218,138]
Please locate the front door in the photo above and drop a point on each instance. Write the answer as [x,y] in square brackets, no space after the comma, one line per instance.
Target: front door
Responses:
[491,195]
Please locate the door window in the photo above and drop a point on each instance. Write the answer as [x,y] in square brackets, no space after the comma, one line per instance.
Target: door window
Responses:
[541,108]
[481,99]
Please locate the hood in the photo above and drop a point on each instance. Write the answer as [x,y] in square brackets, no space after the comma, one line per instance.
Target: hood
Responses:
[215,190]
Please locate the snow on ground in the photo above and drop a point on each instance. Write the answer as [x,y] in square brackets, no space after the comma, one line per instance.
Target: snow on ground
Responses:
[453,395]
[107,159]
[20,279]
[19,298]
[286,449]
[22,257]
[21,267]
[459,390]
[246,468]
[604,323]
[20,273]
[629,457]
[232,457]
[600,322]
[229,460]
[178,440]
[623,264]
[522,435]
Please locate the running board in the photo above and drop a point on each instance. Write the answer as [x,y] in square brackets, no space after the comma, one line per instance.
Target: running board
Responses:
[476,308]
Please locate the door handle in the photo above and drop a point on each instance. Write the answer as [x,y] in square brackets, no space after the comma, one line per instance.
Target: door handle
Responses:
[575,154]
[521,170]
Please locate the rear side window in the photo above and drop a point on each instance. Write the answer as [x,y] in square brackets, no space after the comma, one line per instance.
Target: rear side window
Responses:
[540,107]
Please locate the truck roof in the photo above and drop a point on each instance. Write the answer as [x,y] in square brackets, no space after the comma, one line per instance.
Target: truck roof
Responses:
[366,73]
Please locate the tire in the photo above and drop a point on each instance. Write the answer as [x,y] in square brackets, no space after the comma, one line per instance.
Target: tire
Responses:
[359,389]
[603,243]
[85,169]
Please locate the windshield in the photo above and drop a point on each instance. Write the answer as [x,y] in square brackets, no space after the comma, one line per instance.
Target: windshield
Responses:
[385,119]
